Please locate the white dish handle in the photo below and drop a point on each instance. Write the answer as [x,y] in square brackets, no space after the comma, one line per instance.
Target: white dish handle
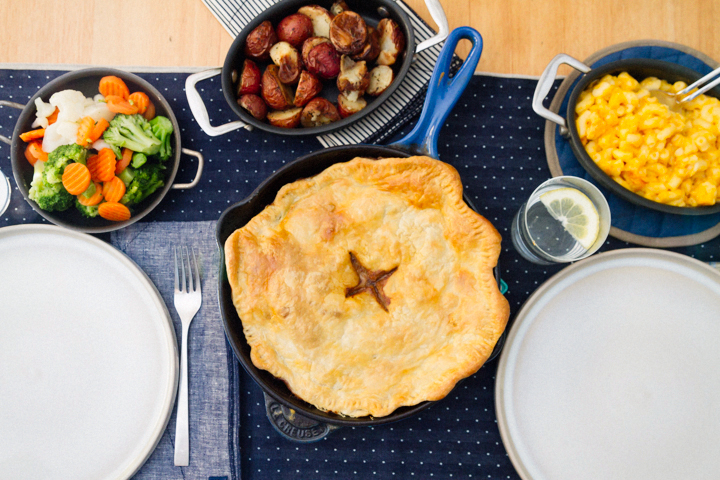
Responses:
[438,14]
[197,106]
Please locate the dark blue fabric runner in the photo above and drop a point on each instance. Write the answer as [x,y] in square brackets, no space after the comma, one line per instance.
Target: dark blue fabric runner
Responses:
[494,140]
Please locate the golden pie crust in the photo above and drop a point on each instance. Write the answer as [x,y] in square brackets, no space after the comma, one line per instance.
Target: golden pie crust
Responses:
[290,269]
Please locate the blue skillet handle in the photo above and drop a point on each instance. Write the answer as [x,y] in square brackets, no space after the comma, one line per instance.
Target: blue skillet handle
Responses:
[443,93]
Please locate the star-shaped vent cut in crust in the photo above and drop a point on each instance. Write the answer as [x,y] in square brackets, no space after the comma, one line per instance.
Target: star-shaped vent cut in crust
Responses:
[372,281]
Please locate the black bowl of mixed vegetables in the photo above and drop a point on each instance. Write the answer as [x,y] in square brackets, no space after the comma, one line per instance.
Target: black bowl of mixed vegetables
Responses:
[95,150]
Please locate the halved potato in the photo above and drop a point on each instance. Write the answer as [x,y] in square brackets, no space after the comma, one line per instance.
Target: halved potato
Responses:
[392,42]
[354,76]
[259,42]
[348,32]
[347,106]
[320,111]
[287,58]
[380,79]
[276,94]
[253,104]
[308,88]
[320,17]
[289,118]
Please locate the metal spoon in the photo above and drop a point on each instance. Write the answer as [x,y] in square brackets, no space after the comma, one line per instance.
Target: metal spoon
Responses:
[674,101]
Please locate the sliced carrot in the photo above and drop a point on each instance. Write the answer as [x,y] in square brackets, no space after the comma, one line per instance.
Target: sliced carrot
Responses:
[150,112]
[102,165]
[98,129]
[34,152]
[53,116]
[124,161]
[94,199]
[29,156]
[83,134]
[113,190]
[32,135]
[112,85]
[140,100]
[118,104]
[76,178]
[117,212]
[89,131]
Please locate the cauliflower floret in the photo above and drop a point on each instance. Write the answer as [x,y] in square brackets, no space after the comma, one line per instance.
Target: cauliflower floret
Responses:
[97,111]
[70,103]
[42,111]
[59,133]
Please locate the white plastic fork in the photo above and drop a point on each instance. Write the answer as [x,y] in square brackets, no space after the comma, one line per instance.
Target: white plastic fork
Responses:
[188,298]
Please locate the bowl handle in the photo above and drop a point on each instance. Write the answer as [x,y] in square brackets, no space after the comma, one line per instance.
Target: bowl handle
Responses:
[438,14]
[545,84]
[197,106]
[5,103]
[198,174]
[443,93]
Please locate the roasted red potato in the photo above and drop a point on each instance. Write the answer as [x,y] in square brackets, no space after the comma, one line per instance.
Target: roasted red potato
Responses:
[380,79]
[309,44]
[371,49]
[287,58]
[319,111]
[308,88]
[339,7]
[323,61]
[353,77]
[276,94]
[289,118]
[250,78]
[392,42]
[347,107]
[348,32]
[320,17]
[259,42]
[295,29]
[253,104]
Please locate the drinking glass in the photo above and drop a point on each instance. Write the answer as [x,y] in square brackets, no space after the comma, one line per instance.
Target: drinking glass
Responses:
[543,239]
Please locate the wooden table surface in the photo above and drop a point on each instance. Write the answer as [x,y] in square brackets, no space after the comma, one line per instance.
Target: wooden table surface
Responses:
[520,36]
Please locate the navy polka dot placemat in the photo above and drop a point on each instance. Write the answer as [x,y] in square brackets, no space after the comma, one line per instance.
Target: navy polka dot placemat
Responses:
[495,141]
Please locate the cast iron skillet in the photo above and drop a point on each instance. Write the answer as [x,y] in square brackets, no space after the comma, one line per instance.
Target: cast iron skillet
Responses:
[443,93]
[372,12]
[86,81]
[638,68]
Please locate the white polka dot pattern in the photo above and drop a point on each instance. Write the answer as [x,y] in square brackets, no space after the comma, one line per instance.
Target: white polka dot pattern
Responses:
[493,139]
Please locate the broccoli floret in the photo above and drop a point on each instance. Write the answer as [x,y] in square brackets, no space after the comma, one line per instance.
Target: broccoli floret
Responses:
[162,128]
[144,182]
[133,132]
[138,160]
[49,196]
[89,212]
[59,158]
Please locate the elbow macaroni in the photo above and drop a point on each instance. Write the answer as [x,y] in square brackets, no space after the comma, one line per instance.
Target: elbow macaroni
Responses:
[671,158]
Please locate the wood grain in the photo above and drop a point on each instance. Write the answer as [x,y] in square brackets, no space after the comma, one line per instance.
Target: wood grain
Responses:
[520,36]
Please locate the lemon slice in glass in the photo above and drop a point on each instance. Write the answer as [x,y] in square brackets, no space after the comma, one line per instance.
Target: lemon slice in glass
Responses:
[576,212]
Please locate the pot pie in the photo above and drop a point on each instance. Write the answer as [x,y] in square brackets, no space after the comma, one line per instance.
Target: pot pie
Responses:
[369,286]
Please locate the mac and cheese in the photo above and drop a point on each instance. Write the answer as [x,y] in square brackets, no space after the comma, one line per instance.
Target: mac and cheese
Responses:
[667,157]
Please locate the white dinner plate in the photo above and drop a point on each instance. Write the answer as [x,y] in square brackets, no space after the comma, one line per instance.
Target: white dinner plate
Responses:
[88,358]
[612,371]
